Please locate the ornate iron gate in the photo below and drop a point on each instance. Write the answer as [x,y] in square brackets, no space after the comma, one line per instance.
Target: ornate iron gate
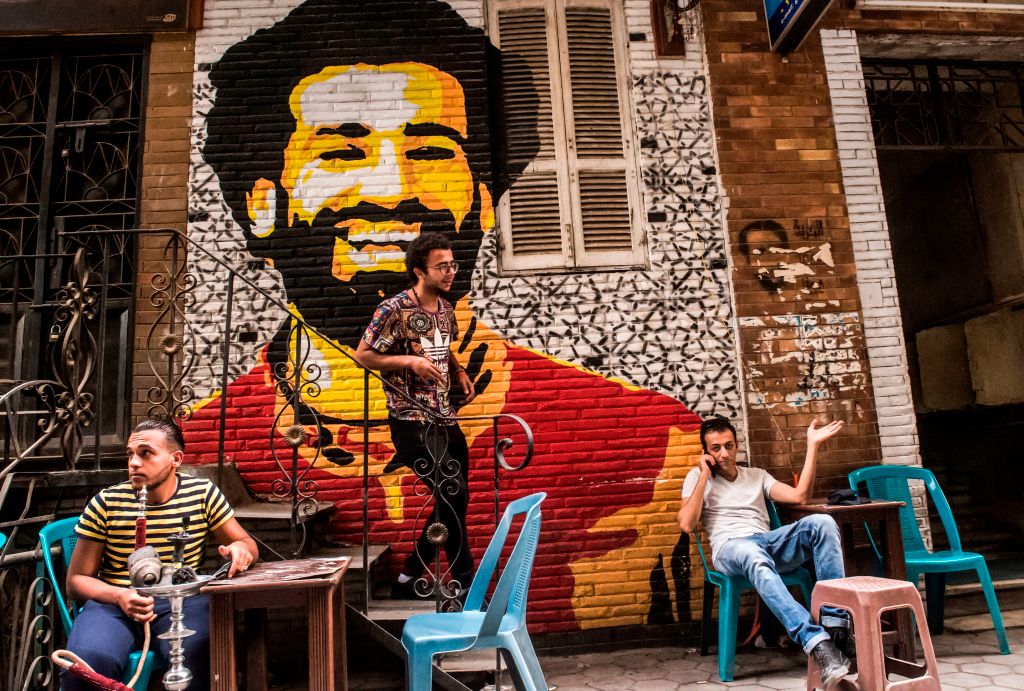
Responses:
[70,134]
[946,104]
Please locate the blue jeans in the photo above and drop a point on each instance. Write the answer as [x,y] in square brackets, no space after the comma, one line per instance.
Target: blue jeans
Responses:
[759,558]
[104,637]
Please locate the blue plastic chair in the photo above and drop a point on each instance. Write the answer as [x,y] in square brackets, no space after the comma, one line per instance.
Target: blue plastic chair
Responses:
[63,531]
[501,625]
[892,483]
[3,540]
[729,603]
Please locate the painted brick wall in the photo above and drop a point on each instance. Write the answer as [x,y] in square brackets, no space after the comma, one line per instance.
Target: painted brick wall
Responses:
[758,224]
[801,328]
[609,368]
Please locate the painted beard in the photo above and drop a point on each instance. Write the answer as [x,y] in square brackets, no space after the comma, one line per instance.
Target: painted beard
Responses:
[303,253]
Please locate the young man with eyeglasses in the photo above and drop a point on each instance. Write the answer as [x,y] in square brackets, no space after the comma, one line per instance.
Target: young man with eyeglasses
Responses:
[409,342]
[730,500]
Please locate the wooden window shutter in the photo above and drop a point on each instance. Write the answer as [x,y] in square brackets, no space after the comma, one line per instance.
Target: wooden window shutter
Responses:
[603,168]
[565,81]
[535,213]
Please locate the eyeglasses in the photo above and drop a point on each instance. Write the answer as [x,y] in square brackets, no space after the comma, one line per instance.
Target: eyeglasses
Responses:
[446,267]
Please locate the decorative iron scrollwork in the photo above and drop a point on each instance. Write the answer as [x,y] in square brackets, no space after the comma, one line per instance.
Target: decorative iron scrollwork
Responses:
[74,360]
[170,334]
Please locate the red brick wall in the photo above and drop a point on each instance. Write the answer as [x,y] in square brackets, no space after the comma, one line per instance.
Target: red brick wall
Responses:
[164,198]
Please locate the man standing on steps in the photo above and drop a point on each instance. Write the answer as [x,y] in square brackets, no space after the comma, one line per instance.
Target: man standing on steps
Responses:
[731,501]
[409,341]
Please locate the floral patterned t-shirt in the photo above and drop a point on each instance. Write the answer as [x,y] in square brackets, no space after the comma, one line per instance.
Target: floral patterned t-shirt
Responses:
[402,327]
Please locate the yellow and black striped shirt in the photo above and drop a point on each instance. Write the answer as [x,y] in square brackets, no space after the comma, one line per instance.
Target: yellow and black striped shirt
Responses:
[109,517]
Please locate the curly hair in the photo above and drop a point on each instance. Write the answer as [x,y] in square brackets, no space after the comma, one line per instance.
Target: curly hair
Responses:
[250,123]
[420,249]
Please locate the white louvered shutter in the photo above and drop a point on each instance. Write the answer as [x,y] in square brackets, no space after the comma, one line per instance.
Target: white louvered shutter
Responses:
[565,80]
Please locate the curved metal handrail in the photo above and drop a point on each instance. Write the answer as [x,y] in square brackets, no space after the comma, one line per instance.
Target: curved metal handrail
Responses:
[277,302]
[173,292]
[49,392]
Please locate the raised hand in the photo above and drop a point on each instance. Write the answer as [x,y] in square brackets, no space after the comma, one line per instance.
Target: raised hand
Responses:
[816,435]
[708,465]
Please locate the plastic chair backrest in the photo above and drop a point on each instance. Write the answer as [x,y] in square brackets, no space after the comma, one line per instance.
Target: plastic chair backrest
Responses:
[509,597]
[892,482]
[62,531]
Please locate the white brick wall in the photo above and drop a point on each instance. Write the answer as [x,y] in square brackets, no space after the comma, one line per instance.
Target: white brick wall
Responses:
[897,426]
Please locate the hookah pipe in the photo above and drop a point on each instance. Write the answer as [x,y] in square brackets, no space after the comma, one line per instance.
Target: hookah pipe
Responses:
[142,555]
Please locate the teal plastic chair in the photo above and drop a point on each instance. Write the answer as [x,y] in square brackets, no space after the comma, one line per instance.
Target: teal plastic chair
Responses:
[731,588]
[501,625]
[892,483]
[63,532]
[3,540]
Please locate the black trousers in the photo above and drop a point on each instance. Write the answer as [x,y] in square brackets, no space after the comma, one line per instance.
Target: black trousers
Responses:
[439,456]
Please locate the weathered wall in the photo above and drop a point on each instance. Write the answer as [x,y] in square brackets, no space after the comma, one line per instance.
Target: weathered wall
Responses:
[609,368]
[802,335]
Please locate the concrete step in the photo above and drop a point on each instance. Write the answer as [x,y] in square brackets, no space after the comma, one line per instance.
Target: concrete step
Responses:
[381,611]
[355,554]
[975,623]
[966,600]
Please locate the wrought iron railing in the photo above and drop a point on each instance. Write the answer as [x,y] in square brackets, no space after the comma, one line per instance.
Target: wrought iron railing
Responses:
[50,423]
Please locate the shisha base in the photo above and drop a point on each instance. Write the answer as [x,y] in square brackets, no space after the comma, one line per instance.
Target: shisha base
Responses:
[178,677]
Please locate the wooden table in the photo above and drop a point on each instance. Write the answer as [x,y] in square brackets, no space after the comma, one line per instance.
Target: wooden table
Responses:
[888,537]
[316,585]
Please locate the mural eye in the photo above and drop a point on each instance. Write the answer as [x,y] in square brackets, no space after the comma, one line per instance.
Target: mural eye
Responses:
[431,153]
[351,153]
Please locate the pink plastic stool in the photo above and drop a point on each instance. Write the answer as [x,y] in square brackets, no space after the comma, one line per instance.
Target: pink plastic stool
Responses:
[866,598]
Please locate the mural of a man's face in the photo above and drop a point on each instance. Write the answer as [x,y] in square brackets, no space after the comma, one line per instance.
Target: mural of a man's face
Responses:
[377,153]
[758,242]
[377,157]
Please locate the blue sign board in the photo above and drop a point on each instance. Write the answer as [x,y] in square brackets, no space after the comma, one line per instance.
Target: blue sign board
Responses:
[789,21]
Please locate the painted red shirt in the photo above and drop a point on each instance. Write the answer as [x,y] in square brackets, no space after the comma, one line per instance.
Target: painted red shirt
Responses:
[598,448]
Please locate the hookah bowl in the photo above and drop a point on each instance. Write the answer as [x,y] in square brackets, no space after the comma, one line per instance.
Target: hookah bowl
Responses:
[178,676]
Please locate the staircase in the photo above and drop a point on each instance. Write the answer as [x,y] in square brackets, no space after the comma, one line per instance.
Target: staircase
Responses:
[376,657]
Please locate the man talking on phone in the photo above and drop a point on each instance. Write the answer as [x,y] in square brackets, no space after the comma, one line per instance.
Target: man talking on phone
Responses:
[730,499]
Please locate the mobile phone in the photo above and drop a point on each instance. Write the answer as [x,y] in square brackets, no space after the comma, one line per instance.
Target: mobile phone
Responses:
[712,468]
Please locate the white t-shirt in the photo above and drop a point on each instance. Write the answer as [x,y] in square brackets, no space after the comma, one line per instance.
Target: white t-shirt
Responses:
[733,509]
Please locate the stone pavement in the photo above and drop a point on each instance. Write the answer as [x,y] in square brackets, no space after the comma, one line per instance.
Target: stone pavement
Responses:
[966,661]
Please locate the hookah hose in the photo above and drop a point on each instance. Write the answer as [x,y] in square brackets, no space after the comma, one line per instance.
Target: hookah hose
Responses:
[66,659]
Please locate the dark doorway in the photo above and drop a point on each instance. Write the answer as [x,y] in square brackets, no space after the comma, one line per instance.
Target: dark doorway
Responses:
[950,139]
